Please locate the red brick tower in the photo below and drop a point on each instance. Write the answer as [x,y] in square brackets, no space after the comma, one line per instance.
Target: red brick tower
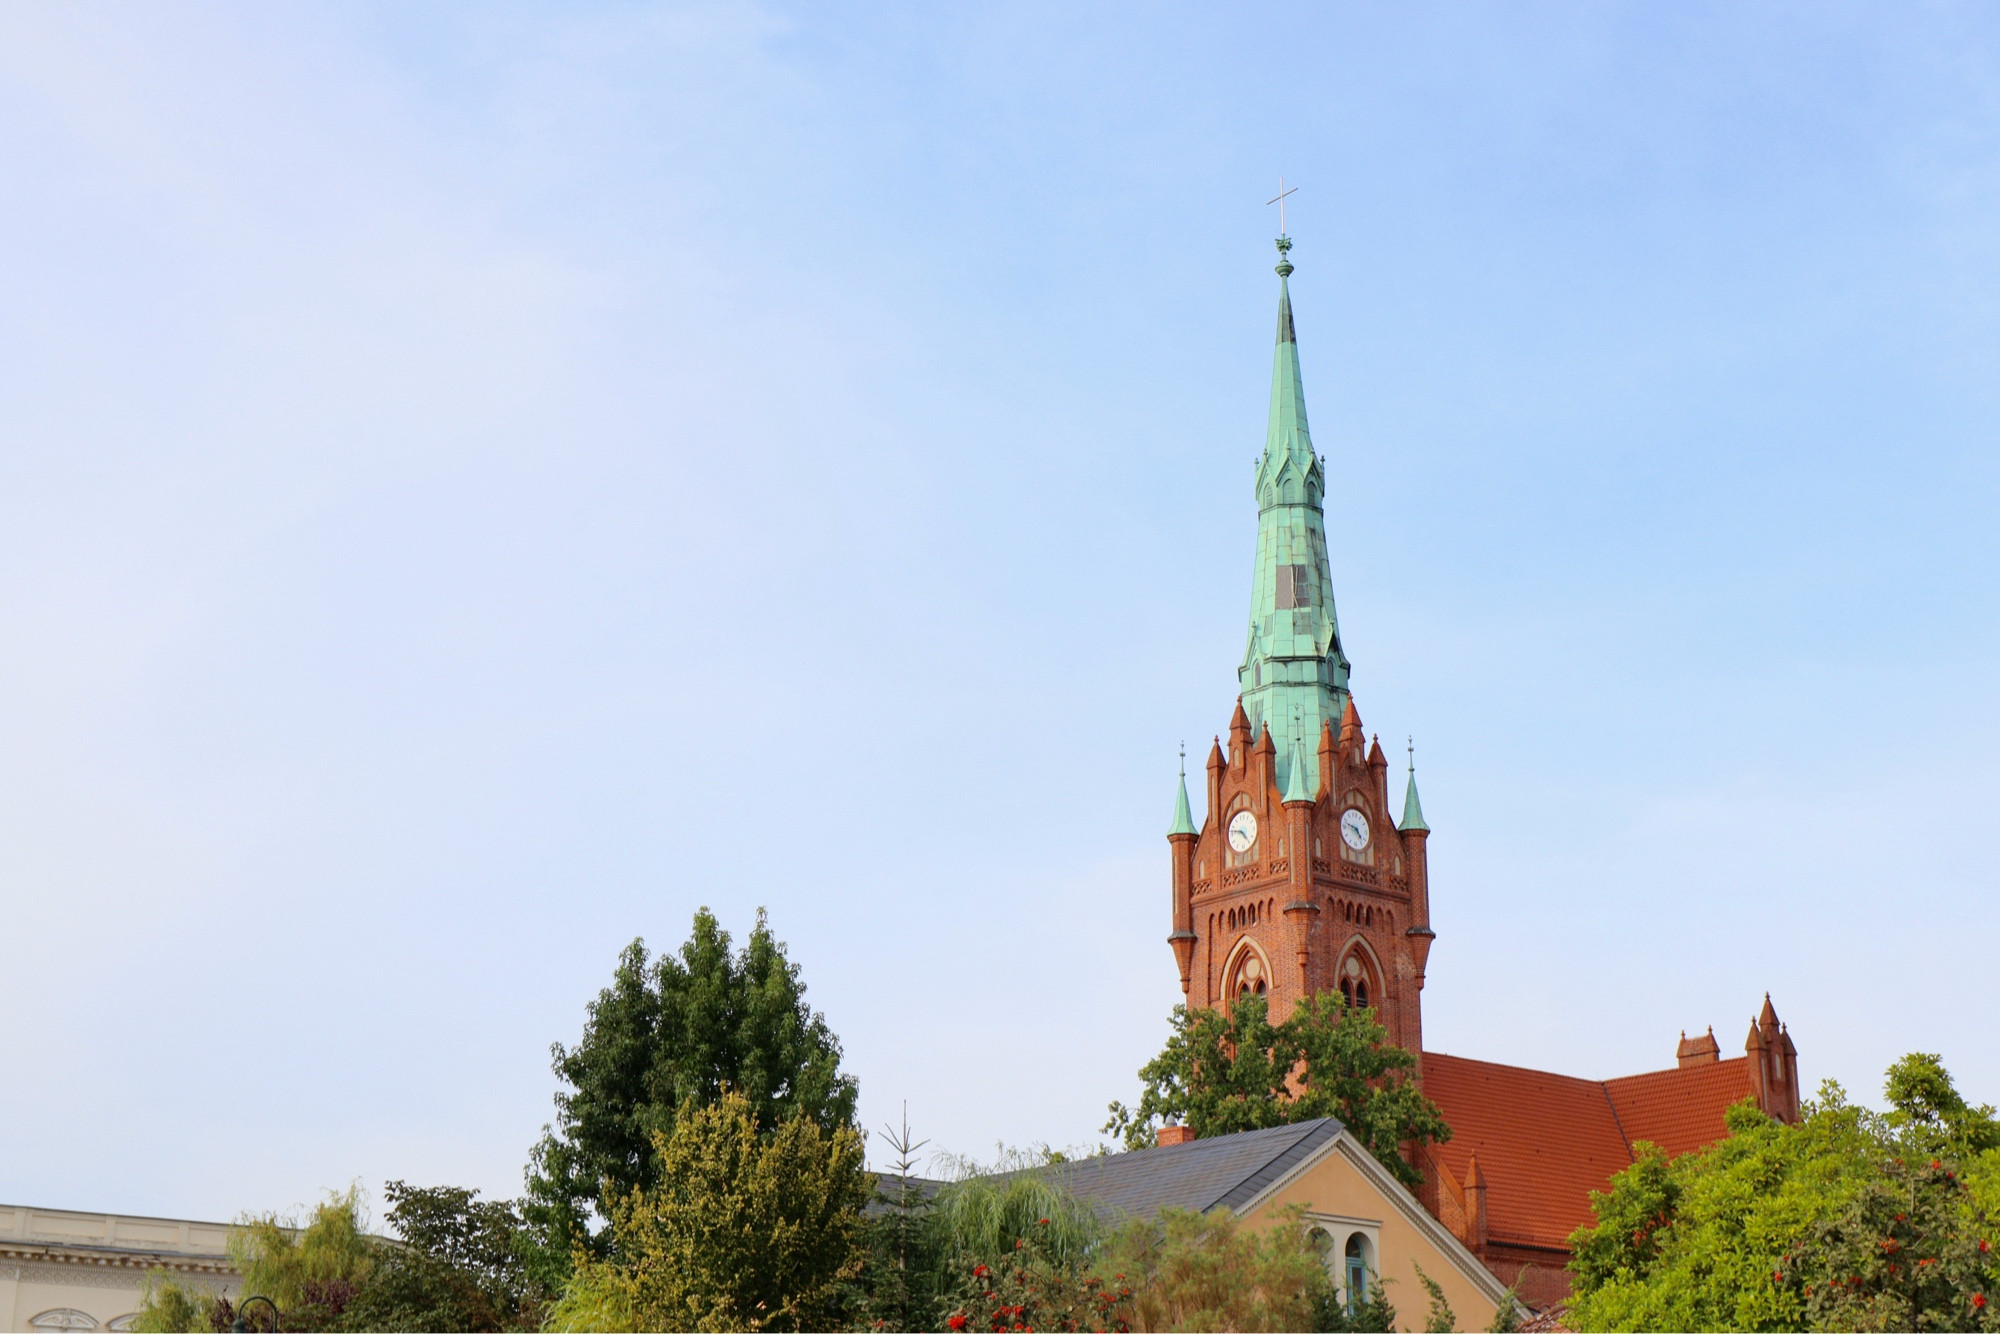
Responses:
[1300,879]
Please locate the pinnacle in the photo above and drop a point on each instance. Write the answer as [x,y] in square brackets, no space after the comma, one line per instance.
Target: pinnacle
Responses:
[1183,817]
[1413,809]
[1295,782]
[1350,723]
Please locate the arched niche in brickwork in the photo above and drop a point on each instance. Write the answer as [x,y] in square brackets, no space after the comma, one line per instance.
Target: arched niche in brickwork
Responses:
[1358,974]
[1247,972]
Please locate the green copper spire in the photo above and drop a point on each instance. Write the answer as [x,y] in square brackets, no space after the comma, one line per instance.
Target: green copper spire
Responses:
[1413,810]
[1183,817]
[1294,676]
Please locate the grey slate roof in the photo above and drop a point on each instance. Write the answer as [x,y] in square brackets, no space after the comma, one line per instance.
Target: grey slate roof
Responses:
[1227,1171]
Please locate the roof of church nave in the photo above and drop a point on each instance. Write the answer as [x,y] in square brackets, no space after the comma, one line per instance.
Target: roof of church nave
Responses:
[1545,1141]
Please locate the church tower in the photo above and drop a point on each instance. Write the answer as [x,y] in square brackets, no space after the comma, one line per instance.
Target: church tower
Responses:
[1301,878]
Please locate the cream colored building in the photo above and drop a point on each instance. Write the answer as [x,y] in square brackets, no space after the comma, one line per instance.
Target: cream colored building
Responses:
[1370,1227]
[64,1270]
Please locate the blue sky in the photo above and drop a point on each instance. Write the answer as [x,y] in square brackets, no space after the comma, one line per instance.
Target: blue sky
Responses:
[478,482]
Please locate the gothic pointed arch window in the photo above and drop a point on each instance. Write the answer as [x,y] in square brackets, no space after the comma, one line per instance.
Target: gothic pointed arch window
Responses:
[1357,979]
[1249,975]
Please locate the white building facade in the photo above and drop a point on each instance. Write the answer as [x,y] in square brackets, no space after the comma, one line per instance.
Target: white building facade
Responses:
[64,1270]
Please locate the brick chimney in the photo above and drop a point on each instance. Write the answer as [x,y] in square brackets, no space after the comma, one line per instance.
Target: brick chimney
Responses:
[1697,1051]
[1172,1135]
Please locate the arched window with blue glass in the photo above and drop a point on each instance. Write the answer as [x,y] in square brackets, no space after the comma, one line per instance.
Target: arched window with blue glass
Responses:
[1356,1266]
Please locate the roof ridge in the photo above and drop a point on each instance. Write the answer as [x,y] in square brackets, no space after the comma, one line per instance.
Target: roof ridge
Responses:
[1680,1072]
[1604,1086]
[1274,1166]
[1524,1069]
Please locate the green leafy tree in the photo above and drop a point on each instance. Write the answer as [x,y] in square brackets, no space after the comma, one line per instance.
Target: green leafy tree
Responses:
[1847,1220]
[739,1230]
[461,1266]
[669,1034]
[1927,1111]
[1223,1073]
[1625,1239]
[1512,1312]
[1368,1312]
[985,1217]
[1008,1235]
[1441,1319]
[169,1304]
[1692,1244]
[1206,1271]
[1909,1252]
[1036,1286]
[312,1273]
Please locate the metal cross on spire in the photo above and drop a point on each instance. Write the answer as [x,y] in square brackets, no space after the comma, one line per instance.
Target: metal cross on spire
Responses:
[1280,202]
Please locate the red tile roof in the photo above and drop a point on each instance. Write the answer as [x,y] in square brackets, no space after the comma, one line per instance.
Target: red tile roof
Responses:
[1680,1110]
[1545,1141]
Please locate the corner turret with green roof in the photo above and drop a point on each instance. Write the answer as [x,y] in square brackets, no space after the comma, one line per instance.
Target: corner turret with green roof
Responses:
[1413,810]
[1183,814]
[1294,676]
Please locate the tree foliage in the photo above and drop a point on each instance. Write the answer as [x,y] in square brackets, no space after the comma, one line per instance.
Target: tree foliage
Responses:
[1927,1112]
[1440,1319]
[170,1304]
[461,1266]
[896,1289]
[1223,1073]
[669,1034]
[1899,1256]
[739,1230]
[985,1217]
[1847,1220]
[1032,1285]
[458,1267]
[1207,1271]
[312,1272]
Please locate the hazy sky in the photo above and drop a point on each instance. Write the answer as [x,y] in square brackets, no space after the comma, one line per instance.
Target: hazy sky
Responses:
[478,482]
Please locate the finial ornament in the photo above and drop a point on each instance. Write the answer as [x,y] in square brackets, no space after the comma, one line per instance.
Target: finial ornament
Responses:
[1413,752]
[1284,241]
[1282,195]
[1183,759]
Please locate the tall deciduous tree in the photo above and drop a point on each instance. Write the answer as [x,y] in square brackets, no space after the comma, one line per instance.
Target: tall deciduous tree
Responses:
[669,1034]
[1223,1073]
[739,1230]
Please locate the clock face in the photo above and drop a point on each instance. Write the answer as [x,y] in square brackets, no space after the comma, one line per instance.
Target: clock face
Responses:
[1354,829]
[1242,831]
